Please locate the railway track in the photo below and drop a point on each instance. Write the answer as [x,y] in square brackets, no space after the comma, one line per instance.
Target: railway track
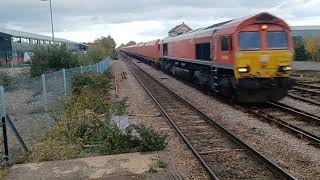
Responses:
[300,123]
[221,153]
[306,92]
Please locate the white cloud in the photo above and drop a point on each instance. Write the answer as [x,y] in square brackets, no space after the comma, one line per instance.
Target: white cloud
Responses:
[122,33]
[142,20]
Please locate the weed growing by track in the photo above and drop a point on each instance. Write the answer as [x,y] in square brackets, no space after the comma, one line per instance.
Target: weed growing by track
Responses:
[86,128]
[6,80]
[159,166]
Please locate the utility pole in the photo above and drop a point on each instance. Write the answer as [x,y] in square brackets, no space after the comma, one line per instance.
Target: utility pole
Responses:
[52,29]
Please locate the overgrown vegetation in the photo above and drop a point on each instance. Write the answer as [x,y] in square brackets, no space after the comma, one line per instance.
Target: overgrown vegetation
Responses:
[159,166]
[86,127]
[101,48]
[3,173]
[55,57]
[6,80]
[51,58]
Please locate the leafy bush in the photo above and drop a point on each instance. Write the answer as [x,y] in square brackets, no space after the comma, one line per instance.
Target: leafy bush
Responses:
[112,140]
[82,81]
[119,108]
[148,139]
[51,58]
[86,127]
[56,57]
[6,80]
[92,82]
[101,48]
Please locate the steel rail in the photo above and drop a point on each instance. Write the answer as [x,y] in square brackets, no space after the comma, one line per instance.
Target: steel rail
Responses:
[310,91]
[307,117]
[307,100]
[268,162]
[305,85]
[282,124]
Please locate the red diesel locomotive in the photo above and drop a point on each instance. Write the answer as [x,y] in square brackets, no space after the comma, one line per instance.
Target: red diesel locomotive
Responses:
[248,59]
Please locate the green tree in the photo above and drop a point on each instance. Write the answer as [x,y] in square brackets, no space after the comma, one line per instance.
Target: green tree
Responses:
[122,45]
[101,48]
[131,43]
[312,45]
[301,54]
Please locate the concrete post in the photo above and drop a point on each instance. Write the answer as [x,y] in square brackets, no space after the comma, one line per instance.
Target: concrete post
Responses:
[3,103]
[64,82]
[45,101]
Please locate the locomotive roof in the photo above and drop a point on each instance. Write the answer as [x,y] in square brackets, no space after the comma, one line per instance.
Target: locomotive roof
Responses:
[153,42]
[208,31]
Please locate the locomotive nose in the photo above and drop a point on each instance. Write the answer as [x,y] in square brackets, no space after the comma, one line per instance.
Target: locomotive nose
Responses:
[263,64]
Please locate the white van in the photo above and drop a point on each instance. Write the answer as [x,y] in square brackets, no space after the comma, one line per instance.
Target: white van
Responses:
[27,57]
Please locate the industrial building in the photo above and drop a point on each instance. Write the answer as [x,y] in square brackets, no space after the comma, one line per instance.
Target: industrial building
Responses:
[14,44]
[305,31]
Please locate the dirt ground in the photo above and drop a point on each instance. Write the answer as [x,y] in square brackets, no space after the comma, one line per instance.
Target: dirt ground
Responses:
[131,166]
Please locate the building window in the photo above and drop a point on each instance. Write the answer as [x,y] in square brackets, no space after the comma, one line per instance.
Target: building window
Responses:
[33,41]
[25,40]
[16,40]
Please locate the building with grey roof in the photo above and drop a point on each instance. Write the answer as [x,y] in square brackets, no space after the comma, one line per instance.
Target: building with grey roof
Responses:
[305,31]
[300,33]
[14,44]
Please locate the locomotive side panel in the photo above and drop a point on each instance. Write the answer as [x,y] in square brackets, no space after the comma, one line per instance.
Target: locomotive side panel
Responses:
[182,49]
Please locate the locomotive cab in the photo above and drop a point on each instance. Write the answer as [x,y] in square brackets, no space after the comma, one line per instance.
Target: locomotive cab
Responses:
[262,59]
[263,53]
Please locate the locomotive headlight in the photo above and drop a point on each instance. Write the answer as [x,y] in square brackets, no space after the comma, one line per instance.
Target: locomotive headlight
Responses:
[243,69]
[285,68]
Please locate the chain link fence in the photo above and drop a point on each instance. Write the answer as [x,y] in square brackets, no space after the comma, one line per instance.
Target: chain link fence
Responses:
[31,103]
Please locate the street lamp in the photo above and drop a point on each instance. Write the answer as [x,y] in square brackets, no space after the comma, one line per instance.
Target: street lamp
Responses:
[51,19]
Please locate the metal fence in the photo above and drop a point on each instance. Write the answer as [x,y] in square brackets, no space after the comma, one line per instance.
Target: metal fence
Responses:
[27,109]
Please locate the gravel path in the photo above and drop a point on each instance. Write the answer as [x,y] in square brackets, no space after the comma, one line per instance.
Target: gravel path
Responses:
[302,160]
[306,65]
[310,108]
[142,109]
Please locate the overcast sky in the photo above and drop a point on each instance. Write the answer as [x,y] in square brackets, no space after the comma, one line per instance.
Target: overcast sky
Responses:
[142,20]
